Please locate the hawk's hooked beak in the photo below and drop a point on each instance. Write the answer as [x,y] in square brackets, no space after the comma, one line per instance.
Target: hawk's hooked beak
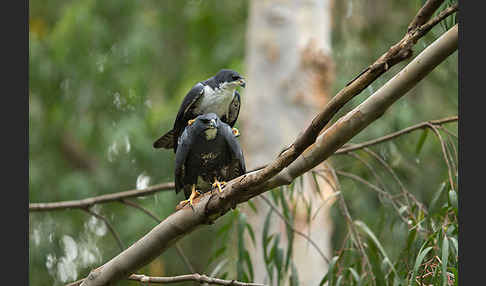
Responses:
[242,82]
[212,123]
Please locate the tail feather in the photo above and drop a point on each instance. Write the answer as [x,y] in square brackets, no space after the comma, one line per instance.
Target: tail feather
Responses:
[165,141]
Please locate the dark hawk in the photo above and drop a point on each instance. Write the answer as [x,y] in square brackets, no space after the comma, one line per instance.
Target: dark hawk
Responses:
[217,95]
[208,155]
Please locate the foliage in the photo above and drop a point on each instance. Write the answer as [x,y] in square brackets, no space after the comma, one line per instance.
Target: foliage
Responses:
[106,78]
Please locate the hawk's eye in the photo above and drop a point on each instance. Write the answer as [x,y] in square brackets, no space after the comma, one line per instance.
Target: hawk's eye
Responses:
[235,77]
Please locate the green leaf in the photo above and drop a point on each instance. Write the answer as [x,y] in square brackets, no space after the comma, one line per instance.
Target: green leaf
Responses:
[218,267]
[338,280]
[421,141]
[418,262]
[252,206]
[251,233]
[435,199]
[216,254]
[249,265]
[330,271]
[445,258]
[375,240]
[265,241]
[294,276]
[454,245]
[354,274]
[453,199]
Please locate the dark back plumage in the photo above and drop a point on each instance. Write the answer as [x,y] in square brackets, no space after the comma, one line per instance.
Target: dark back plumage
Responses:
[206,153]
[188,108]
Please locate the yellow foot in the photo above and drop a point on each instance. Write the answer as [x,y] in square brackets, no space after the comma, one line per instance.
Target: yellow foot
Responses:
[193,195]
[236,132]
[218,184]
[190,122]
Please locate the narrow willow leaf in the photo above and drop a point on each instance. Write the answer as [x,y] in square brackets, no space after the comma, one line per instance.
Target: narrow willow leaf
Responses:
[354,273]
[453,199]
[375,240]
[454,245]
[435,199]
[217,254]
[279,256]
[253,207]
[249,265]
[265,236]
[445,259]
[418,262]
[265,241]
[251,233]
[421,141]
[330,271]
[218,267]
[314,176]
[294,276]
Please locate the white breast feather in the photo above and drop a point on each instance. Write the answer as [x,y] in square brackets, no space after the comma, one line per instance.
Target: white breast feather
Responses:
[216,101]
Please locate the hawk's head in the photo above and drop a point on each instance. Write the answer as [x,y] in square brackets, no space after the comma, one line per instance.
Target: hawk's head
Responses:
[231,78]
[207,123]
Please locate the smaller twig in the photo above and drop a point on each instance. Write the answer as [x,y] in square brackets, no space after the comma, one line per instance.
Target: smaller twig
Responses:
[424,13]
[454,159]
[352,230]
[88,202]
[449,132]
[196,277]
[444,153]
[328,199]
[422,125]
[275,209]
[434,21]
[371,169]
[201,278]
[406,193]
[377,189]
[108,224]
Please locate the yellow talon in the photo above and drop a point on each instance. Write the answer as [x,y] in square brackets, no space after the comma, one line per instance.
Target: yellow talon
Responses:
[218,184]
[194,194]
[190,122]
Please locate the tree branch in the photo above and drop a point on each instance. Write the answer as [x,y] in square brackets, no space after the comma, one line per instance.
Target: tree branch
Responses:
[422,125]
[211,205]
[181,278]
[85,203]
[189,277]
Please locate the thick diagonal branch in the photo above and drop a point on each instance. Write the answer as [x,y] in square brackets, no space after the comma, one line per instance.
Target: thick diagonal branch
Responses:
[210,206]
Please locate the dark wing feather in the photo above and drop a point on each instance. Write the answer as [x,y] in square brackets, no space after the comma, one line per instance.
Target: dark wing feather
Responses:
[165,141]
[185,110]
[234,109]
[234,146]
[185,143]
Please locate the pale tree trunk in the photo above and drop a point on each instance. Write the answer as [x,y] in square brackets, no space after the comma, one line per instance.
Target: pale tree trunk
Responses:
[289,72]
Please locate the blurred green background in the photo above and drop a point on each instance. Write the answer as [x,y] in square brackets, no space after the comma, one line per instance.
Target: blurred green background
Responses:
[106,78]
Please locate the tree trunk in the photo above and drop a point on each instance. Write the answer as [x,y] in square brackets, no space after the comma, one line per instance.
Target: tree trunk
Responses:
[289,73]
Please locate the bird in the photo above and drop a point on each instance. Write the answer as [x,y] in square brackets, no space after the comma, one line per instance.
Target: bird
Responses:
[217,95]
[208,156]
